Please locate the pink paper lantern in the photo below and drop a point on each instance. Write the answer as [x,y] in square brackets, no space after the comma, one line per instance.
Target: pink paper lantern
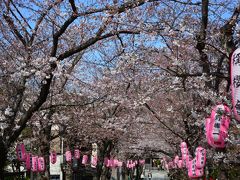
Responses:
[194,172]
[183,145]
[41,164]
[141,162]
[185,161]
[21,152]
[105,161]
[34,164]
[109,163]
[180,164]
[94,161]
[200,157]
[28,161]
[176,159]
[218,127]
[84,159]
[133,165]
[115,162]
[128,164]
[207,129]
[68,155]
[120,164]
[77,153]
[235,83]
[53,157]
[184,150]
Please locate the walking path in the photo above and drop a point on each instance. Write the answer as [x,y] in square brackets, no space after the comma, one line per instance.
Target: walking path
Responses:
[157,175]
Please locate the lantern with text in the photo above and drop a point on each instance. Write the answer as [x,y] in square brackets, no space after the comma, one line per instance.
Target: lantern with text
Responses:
[28,161]
[235,83]
[21,152]
[219,124]
[207,127]
[200,157]
[41,164]
[34,163]
[194,172]
[53,157]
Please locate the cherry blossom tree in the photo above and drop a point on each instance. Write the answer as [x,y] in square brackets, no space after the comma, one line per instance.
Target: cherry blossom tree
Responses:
[165,63]
[38,38]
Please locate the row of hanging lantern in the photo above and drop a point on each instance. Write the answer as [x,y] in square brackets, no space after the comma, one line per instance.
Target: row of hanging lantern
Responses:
[217,124]
[37,164]
[130,164]
[195,166]
[33,163]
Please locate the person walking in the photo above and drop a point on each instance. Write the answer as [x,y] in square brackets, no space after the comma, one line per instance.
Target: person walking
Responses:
[150,175]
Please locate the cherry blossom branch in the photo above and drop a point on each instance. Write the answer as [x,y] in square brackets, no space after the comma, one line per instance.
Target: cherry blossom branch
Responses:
[41,18]
[53,106]
[163,123]
[15,30]
[92,41]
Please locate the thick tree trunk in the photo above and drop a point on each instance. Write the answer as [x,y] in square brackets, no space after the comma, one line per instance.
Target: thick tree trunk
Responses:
[45,149]
[3,156]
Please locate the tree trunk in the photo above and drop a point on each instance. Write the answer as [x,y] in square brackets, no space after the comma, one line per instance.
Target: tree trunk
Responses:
[45,149]
[3,155]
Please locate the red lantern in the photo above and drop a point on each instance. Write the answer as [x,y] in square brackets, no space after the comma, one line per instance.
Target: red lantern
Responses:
[235,83]
[41,164]
[21,152]
[53,157]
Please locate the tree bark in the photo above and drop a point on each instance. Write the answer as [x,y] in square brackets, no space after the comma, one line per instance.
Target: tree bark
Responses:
[3,155]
